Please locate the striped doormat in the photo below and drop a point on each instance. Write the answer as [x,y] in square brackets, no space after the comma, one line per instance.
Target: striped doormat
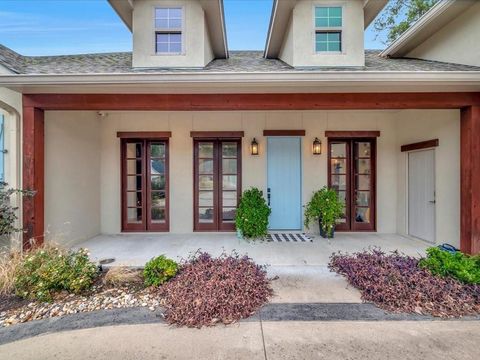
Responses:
[288,237]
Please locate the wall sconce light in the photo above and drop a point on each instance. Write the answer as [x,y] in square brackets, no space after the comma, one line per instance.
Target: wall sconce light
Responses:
[317,147]
[254,147]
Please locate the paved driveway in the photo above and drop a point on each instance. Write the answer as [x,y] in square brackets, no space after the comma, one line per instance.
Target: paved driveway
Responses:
[260,340]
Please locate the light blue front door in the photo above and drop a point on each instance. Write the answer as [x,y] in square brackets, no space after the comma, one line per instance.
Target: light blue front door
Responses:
[284,163]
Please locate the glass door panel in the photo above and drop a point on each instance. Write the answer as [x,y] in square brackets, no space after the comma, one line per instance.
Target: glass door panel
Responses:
[144,185]
[205,180]
[362,207]
[157,185]
[338,177]
[352,176]
[217,184]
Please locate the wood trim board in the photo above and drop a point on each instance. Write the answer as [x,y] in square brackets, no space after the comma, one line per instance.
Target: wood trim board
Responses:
[420,145]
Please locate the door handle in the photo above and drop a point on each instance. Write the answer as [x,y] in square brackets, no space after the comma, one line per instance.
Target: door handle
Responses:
[432,202]
[268,196]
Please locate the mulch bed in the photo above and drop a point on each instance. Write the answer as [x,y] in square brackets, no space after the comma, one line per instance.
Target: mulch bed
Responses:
[394,282]
[209,290]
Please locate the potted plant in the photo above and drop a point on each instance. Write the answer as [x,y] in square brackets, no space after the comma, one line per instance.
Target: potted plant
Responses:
[325,208]
[252,215]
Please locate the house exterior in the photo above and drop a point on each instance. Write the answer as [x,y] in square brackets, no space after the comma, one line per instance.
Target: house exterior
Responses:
[160,140]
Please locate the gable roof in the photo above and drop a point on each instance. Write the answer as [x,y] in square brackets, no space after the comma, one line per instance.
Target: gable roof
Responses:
[282,10]
[434,19]
[214,15]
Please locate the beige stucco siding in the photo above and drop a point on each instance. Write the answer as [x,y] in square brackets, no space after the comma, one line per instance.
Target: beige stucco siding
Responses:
[303,43]
[197,50]
[415,126]
[92,145]
[72,176]
[457,42]
[11,109]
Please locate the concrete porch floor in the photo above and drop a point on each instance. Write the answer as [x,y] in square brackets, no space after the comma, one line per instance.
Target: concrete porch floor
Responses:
[303,275]
[137,249]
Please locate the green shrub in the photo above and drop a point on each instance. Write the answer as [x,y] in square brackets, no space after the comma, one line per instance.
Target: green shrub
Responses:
[252,214]
[46,270]
[159,270]
[8,212]
[458,265]
[324,205]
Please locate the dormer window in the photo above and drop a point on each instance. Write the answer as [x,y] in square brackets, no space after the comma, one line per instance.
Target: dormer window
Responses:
[169,30]
[328,29]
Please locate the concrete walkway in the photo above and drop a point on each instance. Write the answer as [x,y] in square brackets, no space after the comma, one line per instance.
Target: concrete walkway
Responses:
[137,249]
[259,340]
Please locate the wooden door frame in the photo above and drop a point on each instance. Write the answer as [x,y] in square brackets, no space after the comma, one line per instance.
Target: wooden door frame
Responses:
[350,181]
[146,225]
[217,225]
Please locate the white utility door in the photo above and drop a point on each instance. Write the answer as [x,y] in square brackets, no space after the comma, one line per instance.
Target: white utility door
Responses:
[421,194]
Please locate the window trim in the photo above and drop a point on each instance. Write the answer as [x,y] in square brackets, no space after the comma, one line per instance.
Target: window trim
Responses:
[180,31]
[340,29]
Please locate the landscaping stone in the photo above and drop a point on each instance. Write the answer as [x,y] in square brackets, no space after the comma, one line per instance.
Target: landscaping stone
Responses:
[100,299]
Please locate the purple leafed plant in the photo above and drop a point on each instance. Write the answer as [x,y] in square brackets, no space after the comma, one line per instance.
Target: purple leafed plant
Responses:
[395,283]
[211,290]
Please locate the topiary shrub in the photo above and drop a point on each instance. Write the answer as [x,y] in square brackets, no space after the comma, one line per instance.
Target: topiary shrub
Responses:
[159,270]
[458,265]
[48,269]
[326,208]
[252,214]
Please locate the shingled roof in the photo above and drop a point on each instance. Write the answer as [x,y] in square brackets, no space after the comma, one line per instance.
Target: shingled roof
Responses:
[238,62]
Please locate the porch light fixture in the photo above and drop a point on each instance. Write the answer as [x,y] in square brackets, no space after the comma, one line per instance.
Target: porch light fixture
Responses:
[254,147]
[317,147]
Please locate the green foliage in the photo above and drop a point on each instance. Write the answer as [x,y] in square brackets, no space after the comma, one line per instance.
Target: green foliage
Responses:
[324,205]
[399,15]
[458,265]
[159,270]
[252,214]
[8,213]
[46,270]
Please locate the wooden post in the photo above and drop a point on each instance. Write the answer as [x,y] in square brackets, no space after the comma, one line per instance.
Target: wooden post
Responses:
[470,180]
[33,176]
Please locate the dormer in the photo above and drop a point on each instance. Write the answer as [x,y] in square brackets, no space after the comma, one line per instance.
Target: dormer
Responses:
[320,33]
[174,33]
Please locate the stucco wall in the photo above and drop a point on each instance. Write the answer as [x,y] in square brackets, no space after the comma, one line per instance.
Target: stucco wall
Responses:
[83,152]
[72,176]
[11,109]
[254,167]
[416,126]
[286,51]
[457,42]
[304,53]
[197,50]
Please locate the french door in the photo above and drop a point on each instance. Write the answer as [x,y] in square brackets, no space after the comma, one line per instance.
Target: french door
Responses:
[351,173]
[217,182]
[145,185]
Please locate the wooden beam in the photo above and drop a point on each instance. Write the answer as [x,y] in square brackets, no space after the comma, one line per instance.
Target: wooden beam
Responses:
[470,180]
[33,176]
[217,102]
[420,145]
[283,132]
[217,134]
[144,134]
[352,134]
